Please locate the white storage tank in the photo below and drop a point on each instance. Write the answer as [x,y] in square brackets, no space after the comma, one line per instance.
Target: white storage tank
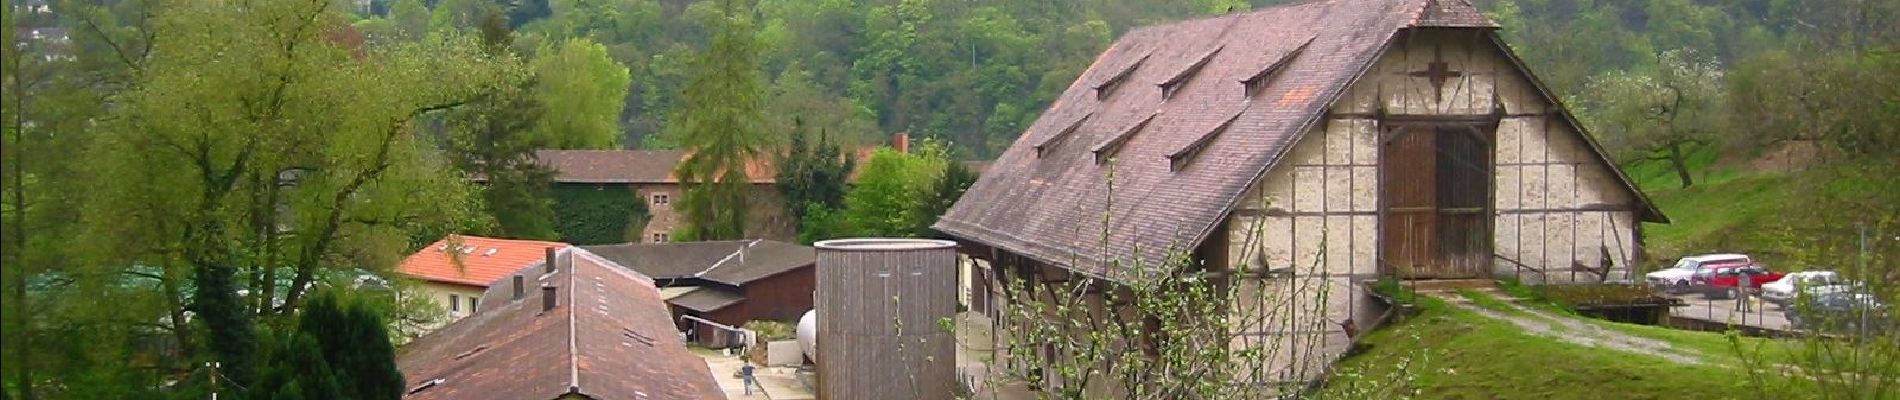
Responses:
[808,334]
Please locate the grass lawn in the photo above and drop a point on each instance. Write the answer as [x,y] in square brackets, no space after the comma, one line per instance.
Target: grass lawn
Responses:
[1732,209]
[1456,354]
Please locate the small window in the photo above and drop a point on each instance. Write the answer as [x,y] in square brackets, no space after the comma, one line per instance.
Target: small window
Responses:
[1257,83]
[455,303]
[662,199]
[659,238]
[474,302]
[1173,85]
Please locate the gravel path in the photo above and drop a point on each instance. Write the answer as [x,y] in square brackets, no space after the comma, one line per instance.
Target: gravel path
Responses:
[1574,331]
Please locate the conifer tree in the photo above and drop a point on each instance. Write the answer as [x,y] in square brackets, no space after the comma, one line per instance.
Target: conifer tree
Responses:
[720,126]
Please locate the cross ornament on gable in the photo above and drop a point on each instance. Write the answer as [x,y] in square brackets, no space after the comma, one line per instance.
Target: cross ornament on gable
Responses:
[1438,71]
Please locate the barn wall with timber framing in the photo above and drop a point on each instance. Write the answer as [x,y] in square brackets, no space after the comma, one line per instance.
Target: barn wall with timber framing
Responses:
[1556,207]
[1314,224]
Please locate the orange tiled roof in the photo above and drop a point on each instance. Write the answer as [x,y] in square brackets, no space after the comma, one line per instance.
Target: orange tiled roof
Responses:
[483,259]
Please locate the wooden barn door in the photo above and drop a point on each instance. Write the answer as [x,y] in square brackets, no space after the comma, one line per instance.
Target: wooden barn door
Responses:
[1436,201]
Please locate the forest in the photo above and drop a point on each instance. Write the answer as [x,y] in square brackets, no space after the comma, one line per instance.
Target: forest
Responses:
[190,181]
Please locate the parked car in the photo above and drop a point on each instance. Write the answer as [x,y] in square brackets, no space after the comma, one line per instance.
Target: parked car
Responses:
[1678,277]
[1840,312]
[1795,284]
[1725,281]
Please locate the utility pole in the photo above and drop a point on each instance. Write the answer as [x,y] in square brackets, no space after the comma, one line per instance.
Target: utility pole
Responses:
[1860,268]
[213,365]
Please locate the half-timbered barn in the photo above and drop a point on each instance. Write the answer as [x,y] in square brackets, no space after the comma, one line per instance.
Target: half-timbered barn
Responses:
[1318,144]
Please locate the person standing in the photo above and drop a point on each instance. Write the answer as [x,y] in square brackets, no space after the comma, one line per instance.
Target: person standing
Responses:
[746,378]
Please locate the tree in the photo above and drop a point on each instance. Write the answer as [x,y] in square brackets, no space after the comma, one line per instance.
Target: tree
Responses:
[1661,114]
[255,153]
[944,192]
[494,137]
[411,18]
[720,128]
[583,91]
[340,348]
[812,175]
[891,192]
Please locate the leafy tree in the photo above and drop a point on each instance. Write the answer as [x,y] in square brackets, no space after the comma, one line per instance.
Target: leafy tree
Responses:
[582,90]
[720,127]
[255,153]
[494,137]
[1661,114]
[891,191]
[454,15]
[944,192]
[411,17]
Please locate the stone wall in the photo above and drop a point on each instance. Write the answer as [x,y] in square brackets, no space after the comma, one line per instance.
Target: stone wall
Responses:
[765,219]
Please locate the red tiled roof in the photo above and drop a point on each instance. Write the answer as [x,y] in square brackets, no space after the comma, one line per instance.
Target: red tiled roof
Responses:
[608,337]
[1049,204]
[482,259]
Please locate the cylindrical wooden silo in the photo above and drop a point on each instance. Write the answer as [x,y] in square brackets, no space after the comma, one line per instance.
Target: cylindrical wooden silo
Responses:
[879,306]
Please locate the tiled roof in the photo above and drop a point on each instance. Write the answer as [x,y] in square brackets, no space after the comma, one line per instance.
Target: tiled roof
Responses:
[650,166]
[612,166]
[732,262]
[609,337]
[1050,205]
[482,259]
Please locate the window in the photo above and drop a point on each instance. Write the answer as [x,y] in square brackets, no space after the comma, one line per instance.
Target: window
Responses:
[1053,141]
[455,303]
[1106,150]
[474,302]
[1107,87]
[1172,85]
[1180,158]
[1257,83]
[661,199]
[659,238]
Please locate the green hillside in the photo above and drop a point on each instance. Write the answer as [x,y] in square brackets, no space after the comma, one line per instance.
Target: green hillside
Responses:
[1776,213]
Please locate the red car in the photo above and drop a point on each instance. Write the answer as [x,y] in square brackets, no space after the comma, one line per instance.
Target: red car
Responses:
[1721,282]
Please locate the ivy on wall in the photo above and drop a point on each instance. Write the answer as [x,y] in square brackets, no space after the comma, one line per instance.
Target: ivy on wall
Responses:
[597,214]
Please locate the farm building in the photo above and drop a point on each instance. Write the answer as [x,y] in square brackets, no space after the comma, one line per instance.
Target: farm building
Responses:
[1302,149]
[728,282]
[574,326]
[453,272]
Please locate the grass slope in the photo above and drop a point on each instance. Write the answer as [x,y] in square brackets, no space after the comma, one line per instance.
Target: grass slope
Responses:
[1456,354]
[1736,208]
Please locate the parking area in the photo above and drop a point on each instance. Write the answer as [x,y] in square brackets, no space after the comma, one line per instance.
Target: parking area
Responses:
[1757,314]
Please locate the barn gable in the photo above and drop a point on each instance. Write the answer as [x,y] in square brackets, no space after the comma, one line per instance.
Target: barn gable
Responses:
[1152,146]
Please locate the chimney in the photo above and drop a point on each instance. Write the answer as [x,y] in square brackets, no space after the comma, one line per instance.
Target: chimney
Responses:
[548,300]
[553,254]
[518,289]
[901,142]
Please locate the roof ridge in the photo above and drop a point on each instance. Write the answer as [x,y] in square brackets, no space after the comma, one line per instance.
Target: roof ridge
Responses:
[740,253]
[573,347]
